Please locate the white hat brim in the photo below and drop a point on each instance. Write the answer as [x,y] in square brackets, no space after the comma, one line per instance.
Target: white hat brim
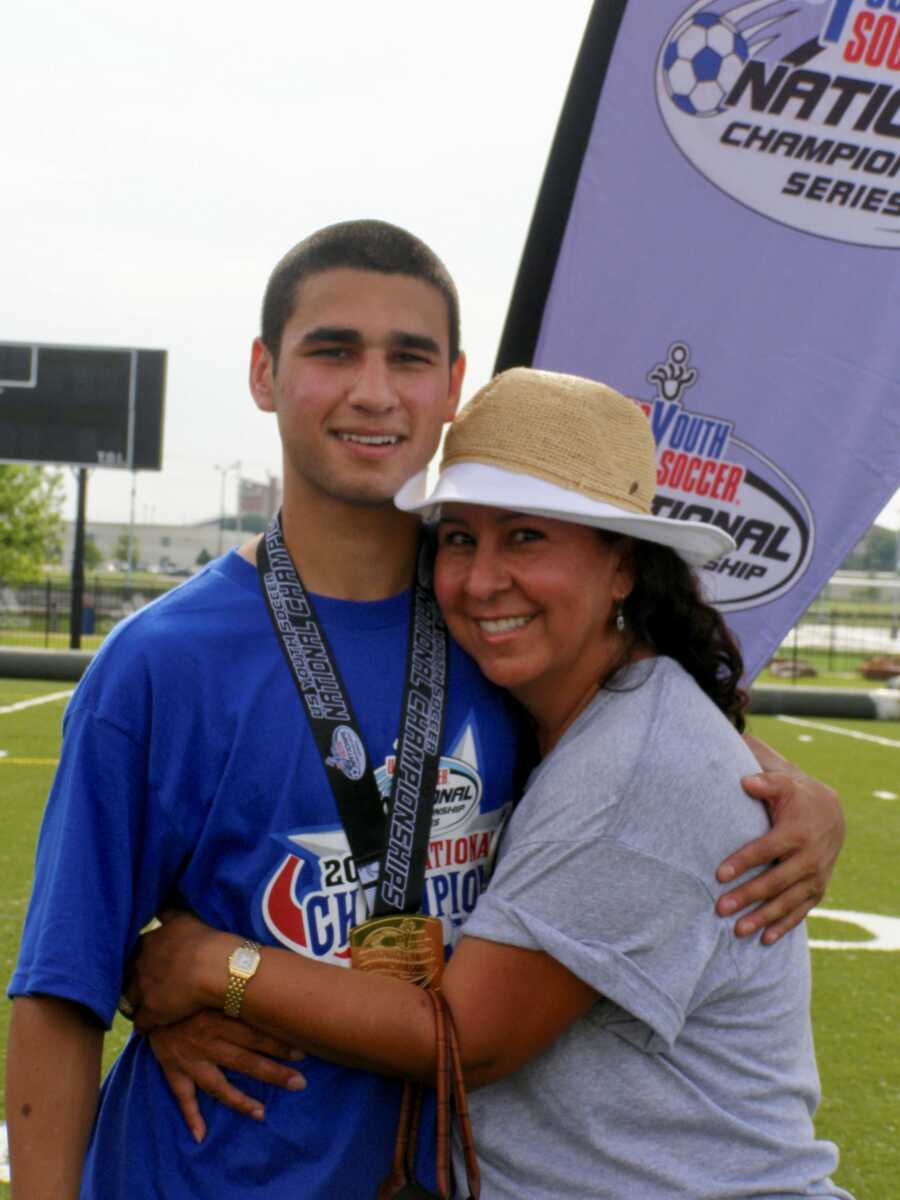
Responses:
[496,487]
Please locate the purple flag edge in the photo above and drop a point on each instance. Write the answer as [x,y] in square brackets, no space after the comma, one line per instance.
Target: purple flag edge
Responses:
[537,273]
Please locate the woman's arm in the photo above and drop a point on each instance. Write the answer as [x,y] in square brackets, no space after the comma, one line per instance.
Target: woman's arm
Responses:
[509,1004]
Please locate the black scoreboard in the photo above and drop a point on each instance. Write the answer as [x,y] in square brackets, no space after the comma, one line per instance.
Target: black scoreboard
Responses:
[85,406]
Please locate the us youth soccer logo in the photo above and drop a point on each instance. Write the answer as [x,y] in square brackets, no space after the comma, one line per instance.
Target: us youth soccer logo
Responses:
[705,473]
[347,753]
[313,898]
[792,107]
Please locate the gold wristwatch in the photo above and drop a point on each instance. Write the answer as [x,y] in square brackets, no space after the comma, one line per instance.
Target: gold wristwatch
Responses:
[242,964]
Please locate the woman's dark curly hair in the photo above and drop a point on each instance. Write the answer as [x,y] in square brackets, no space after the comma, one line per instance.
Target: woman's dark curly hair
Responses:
[666,612]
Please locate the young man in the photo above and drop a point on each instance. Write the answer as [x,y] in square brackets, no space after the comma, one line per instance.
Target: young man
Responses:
[190,775]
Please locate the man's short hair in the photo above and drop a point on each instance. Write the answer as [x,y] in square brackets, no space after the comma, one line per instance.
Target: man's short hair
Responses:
[361,246]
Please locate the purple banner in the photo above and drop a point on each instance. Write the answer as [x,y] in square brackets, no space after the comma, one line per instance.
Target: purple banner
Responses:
[731,260]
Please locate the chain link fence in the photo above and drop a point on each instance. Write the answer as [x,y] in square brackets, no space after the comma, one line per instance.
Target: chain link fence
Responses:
[38,614]
[838,636]
[837,642]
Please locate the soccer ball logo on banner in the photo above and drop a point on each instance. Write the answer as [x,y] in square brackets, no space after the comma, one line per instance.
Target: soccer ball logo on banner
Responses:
[702,63]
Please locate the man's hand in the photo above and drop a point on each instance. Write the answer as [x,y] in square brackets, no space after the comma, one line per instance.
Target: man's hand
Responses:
[804,843]
[193,1053]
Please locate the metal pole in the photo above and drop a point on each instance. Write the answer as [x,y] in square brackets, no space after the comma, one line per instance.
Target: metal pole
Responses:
[831,616]
[76,606]
[131,555]
[794,654]
[238,469]
[132,396]
[223,472]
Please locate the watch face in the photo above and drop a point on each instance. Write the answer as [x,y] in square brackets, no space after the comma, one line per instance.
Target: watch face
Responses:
[244,959]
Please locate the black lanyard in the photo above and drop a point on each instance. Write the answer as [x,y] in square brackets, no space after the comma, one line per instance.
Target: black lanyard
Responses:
[394,850]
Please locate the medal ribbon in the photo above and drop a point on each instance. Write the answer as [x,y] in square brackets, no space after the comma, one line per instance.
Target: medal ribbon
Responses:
[394,850]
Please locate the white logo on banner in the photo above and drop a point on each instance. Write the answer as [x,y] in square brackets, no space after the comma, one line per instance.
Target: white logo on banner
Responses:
[792,107]
[704,473]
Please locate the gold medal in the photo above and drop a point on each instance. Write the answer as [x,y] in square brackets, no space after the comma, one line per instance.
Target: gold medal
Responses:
[409,946]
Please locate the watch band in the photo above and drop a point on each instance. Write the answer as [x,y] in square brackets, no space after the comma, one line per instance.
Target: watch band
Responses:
[242,964]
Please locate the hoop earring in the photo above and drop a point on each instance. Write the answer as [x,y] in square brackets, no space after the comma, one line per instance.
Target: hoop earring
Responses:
[620,619]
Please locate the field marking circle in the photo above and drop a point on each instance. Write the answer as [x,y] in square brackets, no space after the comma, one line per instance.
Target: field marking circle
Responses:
[885,931]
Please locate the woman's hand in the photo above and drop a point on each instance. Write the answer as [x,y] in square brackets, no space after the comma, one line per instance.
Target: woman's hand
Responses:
[193,1054]
[804,843]
[178,969]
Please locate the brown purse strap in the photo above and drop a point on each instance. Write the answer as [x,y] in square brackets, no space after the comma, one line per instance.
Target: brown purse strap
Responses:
[450,1093]
[442,1090]
[403,1163]
[473,1174]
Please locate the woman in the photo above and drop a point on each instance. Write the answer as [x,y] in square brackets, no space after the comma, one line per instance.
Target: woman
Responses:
[624,1042]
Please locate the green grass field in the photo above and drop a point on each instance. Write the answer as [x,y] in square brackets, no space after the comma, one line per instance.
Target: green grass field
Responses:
[855,990]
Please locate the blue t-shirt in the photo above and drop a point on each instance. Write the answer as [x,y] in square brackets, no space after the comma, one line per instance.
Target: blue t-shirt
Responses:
[189,777]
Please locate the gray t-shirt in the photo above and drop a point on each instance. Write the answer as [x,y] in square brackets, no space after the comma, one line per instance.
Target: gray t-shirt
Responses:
[694,1073]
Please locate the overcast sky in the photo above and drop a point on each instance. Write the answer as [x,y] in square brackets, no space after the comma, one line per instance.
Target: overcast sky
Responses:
[158,159]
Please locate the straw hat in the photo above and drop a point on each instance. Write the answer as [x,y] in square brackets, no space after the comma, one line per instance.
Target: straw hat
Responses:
[563,447]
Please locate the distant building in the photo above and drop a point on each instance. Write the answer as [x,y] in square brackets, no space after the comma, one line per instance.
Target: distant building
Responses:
[177,548]
[162,548]
[259,499]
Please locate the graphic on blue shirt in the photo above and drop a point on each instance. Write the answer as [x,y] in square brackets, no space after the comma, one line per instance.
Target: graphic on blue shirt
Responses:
[313,898]
[209,784]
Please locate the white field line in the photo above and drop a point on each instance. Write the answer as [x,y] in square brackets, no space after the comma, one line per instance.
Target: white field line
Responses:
[850,733]
[11,708]
[884,931]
